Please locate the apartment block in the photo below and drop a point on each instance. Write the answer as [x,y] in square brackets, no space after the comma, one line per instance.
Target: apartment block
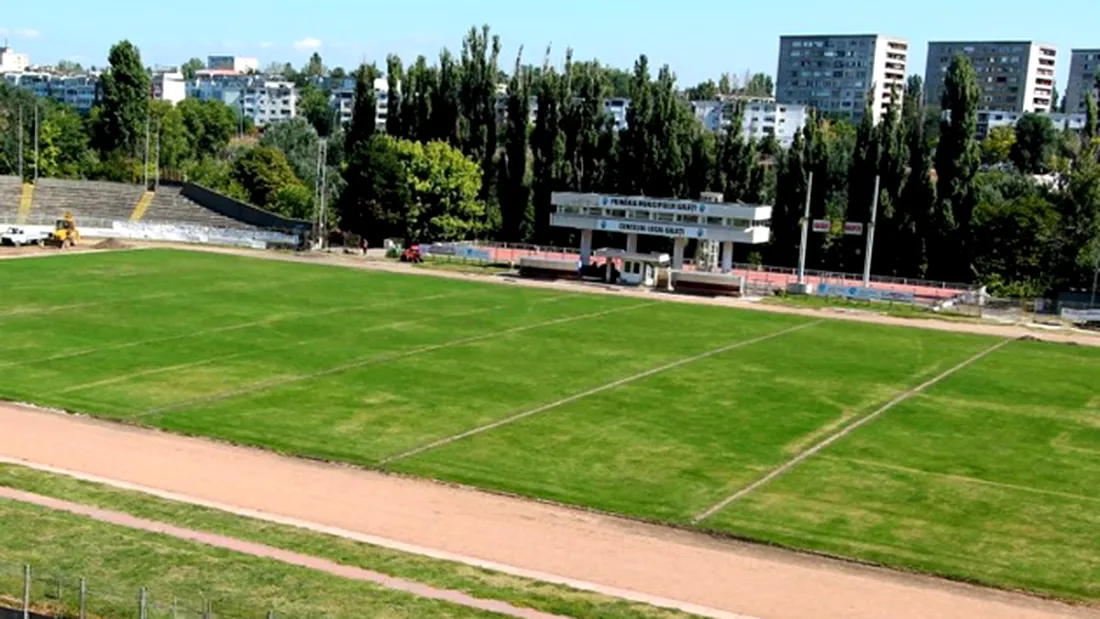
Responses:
[615,108]
[262,99]
[342,99]
[234,64]
[168,85]
[1083,66]
[1014,76]
[78,91]
[837,74]
[11,62]
[989,120]
[763,118]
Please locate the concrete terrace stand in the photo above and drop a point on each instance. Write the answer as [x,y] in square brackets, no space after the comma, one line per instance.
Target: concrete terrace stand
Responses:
[707,219]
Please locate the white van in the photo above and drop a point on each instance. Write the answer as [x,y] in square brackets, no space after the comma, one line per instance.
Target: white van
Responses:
[25,235]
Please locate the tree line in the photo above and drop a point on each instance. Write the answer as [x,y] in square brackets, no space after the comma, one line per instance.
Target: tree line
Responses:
[447,166]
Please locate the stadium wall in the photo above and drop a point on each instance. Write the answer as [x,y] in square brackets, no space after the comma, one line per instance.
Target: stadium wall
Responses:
[138,231]
[242,211]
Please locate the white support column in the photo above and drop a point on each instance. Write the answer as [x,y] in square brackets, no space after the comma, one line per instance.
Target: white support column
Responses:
[632,243]
[586,247]
[678,252]
[727,256]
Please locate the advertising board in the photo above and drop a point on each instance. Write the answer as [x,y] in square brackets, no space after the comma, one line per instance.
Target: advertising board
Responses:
[864,294]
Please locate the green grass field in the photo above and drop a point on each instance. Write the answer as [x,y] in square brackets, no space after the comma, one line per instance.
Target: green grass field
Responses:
[17,547]
[989,475]
[118,561]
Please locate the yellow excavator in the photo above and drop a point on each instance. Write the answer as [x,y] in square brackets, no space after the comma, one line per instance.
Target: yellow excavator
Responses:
[65,233]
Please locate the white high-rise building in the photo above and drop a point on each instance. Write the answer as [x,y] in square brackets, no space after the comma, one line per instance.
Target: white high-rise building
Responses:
[168,85]
[763,118]
[1014,76]
[1084,66]
[11,62]
[235,64]
[264,100]
[343,100]
[836,73]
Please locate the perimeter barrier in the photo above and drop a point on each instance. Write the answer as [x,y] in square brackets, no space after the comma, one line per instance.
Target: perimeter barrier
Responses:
[41,593]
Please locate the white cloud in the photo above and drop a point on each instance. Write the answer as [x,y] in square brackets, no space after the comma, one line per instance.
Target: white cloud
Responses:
[266,45]
[307,44]
[20,33]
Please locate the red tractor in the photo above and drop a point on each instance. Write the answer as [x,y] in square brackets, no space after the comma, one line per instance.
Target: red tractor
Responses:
[412,254]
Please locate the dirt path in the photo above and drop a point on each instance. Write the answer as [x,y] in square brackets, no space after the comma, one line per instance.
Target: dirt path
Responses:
[277,554]
[618,557]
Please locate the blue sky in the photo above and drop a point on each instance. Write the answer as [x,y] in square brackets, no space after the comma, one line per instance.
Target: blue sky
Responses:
[699,39]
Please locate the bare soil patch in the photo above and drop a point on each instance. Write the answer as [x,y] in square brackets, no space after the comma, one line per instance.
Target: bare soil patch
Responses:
[111,244]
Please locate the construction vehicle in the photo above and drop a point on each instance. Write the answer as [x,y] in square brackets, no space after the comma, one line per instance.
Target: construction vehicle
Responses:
[412,254]
[64,233]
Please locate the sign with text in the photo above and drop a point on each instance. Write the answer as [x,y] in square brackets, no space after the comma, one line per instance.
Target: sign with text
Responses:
[658,229]
[1089,315]
[864,294]
[853,228]
[822,225]
[653,203]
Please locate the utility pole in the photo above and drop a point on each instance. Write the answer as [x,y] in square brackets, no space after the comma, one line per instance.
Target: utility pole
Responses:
[1095,279]
[871,237]
[21,177]
[145,175]
[156,164]
[36,141]
[805,232]
[324,215]
[317,191]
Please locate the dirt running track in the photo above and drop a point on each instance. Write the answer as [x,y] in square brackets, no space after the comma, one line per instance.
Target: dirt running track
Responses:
[621,557]
[269,552]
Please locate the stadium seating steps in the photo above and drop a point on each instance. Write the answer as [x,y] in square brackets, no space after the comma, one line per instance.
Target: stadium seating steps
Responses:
[100,200]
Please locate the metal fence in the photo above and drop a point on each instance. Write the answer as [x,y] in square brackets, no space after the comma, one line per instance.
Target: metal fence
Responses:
[29,592]
[762,276]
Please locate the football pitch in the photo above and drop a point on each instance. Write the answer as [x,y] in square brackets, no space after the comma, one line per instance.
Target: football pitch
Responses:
[954,454]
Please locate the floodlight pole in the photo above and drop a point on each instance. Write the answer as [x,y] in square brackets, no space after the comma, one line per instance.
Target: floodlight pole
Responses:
[805,232]
[36,141]
[1095,279]
[324,180]
[145,167]
[871,237]
[156,164]
[21,177]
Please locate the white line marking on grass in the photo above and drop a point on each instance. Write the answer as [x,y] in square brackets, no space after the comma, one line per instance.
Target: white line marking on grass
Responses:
[234,327]
[964,479]
[388,325]
[49,309]
[593,391]
[375,359]
[382,542]
[68,252]
[229,287]
[795,461]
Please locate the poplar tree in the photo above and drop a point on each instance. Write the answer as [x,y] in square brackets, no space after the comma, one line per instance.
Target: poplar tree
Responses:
[958,158]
